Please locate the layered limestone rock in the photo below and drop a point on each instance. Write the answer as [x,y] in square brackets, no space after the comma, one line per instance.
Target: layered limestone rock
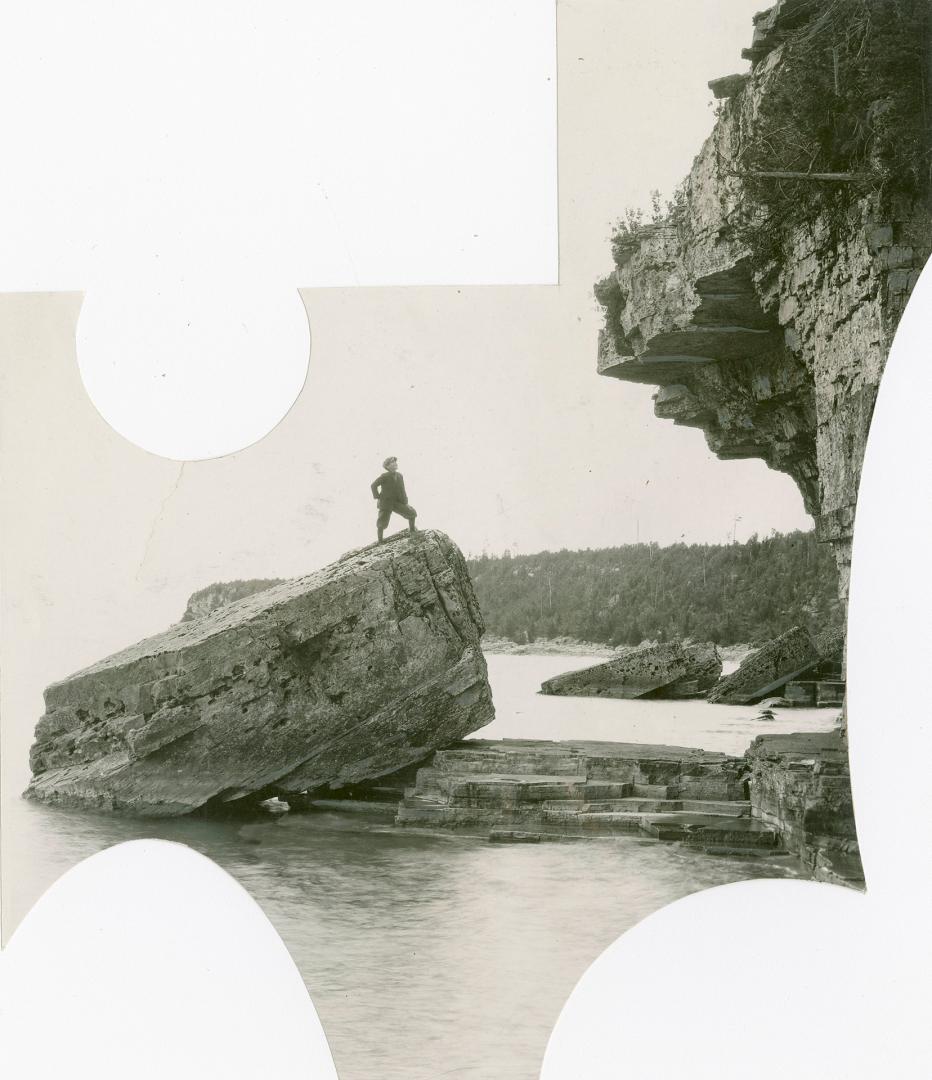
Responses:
[668,670]
[349,673]
[703,670]
[520,790]
[764,670]
[800,786]
[783,365]
[213,596]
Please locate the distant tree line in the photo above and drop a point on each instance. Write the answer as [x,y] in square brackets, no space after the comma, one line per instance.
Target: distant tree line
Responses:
[726,593]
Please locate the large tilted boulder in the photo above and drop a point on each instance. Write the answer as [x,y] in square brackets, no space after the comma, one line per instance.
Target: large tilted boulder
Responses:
[767,670]
[352,672]
[666,670]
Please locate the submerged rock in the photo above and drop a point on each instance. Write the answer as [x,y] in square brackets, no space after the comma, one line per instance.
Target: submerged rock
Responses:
[668,670]
[349,673]
[768,669]
[704,663]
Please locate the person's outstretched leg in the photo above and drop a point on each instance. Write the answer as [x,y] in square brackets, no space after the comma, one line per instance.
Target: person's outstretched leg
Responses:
[410,513]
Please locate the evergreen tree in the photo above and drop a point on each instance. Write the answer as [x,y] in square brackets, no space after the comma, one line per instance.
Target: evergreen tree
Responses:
[727,593]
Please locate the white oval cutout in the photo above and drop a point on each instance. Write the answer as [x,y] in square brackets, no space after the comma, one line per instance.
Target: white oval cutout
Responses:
[148,960]
[779,978]
[193,368]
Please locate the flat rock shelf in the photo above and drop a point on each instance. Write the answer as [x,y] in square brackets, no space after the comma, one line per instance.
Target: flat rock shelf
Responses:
[526,791]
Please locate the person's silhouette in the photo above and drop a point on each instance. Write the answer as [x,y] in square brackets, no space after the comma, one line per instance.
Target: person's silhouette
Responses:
[389,489]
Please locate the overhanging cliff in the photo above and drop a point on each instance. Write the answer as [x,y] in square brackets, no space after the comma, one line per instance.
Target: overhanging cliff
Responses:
[764,305]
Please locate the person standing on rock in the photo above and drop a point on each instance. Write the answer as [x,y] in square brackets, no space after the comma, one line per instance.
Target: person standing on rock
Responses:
[389,489]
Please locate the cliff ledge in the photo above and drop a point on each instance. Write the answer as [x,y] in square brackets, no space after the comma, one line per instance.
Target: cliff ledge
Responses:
[764,305]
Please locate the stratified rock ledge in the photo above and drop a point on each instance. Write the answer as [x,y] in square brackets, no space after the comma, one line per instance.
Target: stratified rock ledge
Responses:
[800,785]
[349,673]
[526,790]
[788,795]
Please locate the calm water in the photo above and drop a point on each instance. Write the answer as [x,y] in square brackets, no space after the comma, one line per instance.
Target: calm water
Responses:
[430,955]
[521,713]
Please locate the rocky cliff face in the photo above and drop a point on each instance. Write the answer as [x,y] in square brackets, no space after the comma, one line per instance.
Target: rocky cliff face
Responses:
[779,362]
[800,785]
[349,673]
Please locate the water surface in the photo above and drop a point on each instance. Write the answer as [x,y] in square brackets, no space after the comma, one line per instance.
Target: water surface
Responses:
[436,955]
[522,713]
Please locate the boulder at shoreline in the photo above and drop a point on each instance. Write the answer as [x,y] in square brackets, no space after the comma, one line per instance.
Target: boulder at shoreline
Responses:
[765,671]
[665,670]
[346,674]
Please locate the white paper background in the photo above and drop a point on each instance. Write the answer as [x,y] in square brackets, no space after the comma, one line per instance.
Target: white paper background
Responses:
[768,979]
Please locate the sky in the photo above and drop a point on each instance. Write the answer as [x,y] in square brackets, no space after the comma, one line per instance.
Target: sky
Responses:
[506,435]
[488,395]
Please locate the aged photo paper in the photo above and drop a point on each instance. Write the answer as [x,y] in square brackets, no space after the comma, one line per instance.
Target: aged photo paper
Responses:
[529,617]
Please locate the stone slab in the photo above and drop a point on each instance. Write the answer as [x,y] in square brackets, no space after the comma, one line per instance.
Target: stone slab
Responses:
[350,673]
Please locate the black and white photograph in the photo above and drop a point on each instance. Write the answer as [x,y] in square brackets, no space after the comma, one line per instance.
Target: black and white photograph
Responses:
[529,617]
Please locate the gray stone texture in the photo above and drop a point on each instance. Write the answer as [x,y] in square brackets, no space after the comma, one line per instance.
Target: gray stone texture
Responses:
[786,369]
[800,785]
[785,655]
[580,788]
[665,670]
[224,592]
[349,673]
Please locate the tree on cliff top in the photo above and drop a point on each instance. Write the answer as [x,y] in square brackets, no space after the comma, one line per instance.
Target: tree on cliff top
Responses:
[850,98]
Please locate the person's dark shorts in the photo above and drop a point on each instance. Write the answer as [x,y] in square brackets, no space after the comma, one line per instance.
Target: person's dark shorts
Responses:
[385,512]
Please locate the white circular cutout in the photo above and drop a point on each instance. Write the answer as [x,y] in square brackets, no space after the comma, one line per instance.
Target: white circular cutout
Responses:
[193,368]
[150,961]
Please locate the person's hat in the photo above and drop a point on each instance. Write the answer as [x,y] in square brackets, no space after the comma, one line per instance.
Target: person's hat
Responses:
[388,461]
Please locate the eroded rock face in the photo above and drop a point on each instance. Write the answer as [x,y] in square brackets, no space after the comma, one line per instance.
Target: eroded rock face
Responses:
[704,669]
[350,673]
[784,367]
[754,678]
[665,670]
[580,787]
[800,785]
[830,645]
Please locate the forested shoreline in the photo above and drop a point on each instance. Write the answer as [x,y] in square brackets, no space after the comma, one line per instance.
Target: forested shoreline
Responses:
[727,593]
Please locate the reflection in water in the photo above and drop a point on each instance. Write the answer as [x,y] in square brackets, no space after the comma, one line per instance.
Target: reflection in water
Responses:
[430,955]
